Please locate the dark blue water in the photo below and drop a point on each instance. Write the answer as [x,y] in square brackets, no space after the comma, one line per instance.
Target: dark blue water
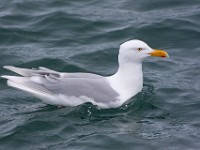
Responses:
[84,36]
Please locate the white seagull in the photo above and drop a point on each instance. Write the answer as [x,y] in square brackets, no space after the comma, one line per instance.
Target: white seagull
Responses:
[72,89]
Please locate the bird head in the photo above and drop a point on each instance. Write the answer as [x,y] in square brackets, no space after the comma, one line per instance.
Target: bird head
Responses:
[137,50]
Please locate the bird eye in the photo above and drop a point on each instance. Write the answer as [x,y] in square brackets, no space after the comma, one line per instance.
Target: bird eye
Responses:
[139,49]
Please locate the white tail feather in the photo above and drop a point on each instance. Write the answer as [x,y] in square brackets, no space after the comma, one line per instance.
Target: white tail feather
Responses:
[45,97]
[15,78]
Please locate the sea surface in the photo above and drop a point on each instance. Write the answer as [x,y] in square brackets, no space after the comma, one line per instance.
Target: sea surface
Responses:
[84,36]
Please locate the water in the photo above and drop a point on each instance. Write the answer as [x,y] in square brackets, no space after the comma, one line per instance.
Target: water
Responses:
[84,36]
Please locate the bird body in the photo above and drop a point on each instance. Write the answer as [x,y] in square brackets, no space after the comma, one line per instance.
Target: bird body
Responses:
[72,89]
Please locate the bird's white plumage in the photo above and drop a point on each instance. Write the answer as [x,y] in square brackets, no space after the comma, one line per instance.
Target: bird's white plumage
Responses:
[72,89]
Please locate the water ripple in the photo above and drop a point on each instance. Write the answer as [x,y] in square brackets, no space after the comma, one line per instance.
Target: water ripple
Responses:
[84,36]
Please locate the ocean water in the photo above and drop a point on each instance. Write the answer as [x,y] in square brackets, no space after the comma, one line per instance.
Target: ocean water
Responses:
[84,36]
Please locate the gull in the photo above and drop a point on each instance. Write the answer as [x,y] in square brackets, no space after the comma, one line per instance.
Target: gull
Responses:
[73,89]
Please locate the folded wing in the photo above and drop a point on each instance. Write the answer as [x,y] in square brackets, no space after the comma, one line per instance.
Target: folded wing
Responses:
[63,88]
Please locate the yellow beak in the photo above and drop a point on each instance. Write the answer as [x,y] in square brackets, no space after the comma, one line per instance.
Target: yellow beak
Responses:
[159,53]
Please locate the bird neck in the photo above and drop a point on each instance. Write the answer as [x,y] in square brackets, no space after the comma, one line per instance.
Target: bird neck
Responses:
[129,71]
[128,80]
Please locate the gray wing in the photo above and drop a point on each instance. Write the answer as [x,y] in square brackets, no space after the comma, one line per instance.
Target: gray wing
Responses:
[82,84]
[47,81]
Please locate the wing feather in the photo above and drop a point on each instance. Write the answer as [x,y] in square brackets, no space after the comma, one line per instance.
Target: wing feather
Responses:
[49,83]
